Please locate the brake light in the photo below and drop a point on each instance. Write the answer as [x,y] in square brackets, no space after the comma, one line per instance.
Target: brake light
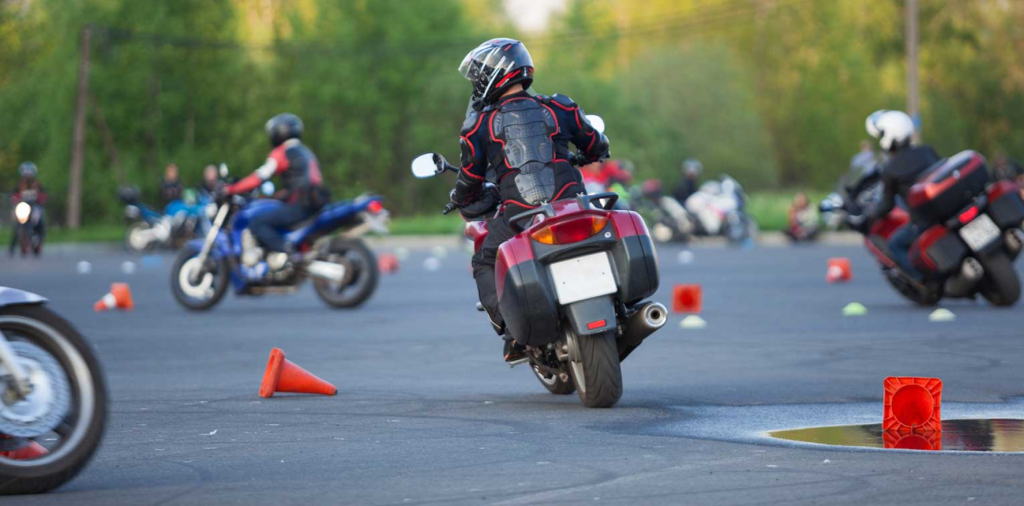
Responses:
[570,231]
[375,207]
[968,215]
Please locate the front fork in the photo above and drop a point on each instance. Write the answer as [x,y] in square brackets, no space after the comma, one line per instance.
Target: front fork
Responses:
[211,236]
[21,384]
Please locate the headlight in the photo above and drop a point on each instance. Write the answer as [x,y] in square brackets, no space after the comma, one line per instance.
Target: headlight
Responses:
[131,212]
[22,212]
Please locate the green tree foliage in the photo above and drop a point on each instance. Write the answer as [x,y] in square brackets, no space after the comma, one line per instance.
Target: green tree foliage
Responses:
[773,92]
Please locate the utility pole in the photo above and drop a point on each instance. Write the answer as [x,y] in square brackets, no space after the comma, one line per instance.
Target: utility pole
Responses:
[74,216]
[913,85]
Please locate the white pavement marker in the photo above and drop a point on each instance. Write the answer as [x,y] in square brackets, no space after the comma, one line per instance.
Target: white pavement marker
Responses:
[693,322]
[83,267]
[431,264]
[941,315]
[128,267]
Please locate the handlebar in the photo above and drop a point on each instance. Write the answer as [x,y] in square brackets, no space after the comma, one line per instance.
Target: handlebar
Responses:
[449,207]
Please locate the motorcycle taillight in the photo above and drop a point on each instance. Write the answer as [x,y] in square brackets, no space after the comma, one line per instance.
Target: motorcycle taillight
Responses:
[375,207]
[969,214]
[570,231]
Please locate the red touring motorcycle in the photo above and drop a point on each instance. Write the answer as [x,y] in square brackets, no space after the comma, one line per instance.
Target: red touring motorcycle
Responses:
[974,237]
[570,288]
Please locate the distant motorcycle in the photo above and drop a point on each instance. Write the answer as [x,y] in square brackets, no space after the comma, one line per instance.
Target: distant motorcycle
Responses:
[974,237]
[149,228]
[53,397]
[718,208]
[571,287]
[343,268]
[28,223]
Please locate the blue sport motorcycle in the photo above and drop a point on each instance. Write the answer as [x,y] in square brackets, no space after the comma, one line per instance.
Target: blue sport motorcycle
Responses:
[148,228]
[343,269]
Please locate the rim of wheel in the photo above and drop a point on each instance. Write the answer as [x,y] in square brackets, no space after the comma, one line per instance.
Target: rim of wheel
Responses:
[200,291]
[84,407]
[136,239]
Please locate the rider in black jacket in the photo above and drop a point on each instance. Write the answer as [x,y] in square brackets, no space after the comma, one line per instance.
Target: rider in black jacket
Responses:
[894,130]
[520,141]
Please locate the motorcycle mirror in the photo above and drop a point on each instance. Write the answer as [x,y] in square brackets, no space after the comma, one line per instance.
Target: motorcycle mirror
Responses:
[596,121]
[267,188]
[223,170]
[425,166]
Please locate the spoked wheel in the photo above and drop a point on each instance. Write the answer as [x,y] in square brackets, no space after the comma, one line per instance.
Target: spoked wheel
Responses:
[196,286]
[48,436]
[554,382]
[361,274]
[595,369]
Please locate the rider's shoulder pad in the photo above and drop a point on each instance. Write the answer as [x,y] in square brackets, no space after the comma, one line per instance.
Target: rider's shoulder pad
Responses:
[563,100]
[472,120]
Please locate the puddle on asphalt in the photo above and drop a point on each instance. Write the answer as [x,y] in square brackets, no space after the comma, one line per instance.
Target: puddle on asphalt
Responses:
[978,435]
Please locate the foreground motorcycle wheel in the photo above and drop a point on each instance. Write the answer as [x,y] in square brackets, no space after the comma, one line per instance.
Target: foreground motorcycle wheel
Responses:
[1001,285]
[360,280]
[58,357]
[596,371]
[202,293]
[553,383]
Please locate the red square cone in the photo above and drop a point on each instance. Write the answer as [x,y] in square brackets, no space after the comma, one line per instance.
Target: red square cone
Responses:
[388,263]
[928,441]
[284,376]
[912,405]
[838,270]
[120,297]
[687,299]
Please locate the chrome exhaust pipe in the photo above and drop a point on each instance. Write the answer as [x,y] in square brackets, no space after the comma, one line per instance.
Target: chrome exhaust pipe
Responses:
[642,323]
[326,270]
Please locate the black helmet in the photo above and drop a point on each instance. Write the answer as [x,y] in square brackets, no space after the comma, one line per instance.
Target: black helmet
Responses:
[27,170]
[496,66]
[283,127]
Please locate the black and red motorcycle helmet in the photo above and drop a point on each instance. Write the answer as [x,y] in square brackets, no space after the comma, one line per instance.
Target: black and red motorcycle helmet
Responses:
[495,66]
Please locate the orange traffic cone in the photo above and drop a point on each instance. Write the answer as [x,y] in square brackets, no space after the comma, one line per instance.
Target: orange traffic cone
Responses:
[284,376]
[388,263]
[120,297]
[30,450]
[838,270]
[912,405]
[686,298]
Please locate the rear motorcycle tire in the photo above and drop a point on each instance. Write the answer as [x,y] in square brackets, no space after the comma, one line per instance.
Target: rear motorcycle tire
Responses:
[597,374]
[365,271]
[1001,285]
[219,285]
[553,383]
[46,329]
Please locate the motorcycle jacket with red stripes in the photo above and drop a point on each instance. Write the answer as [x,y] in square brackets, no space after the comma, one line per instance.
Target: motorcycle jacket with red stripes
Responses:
[301,180]
[521,143]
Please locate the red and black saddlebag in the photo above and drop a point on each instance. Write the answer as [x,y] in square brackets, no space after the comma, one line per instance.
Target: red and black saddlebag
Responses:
[938,250]
[1005,205]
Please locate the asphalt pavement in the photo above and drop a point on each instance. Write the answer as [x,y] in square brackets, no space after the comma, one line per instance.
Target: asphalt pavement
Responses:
[428,413]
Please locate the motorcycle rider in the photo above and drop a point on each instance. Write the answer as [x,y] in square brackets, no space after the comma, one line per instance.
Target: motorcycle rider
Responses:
[170,186]
[303,189]
[894,131]
[28,181]
[688,186]
[524,138]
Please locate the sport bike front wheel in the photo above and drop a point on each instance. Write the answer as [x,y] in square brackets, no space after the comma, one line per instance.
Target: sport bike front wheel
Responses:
[196,286]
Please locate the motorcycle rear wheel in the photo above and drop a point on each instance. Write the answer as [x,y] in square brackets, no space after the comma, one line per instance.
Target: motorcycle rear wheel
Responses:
[80,433]
[553,383]
[134,239]
[1001,285]
[359,284]
[596,372]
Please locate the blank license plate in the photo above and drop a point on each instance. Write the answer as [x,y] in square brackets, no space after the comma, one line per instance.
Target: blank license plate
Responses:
[979,232]
[583,278]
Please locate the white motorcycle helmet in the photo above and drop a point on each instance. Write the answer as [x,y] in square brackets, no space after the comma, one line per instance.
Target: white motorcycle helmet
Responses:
[893,129]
